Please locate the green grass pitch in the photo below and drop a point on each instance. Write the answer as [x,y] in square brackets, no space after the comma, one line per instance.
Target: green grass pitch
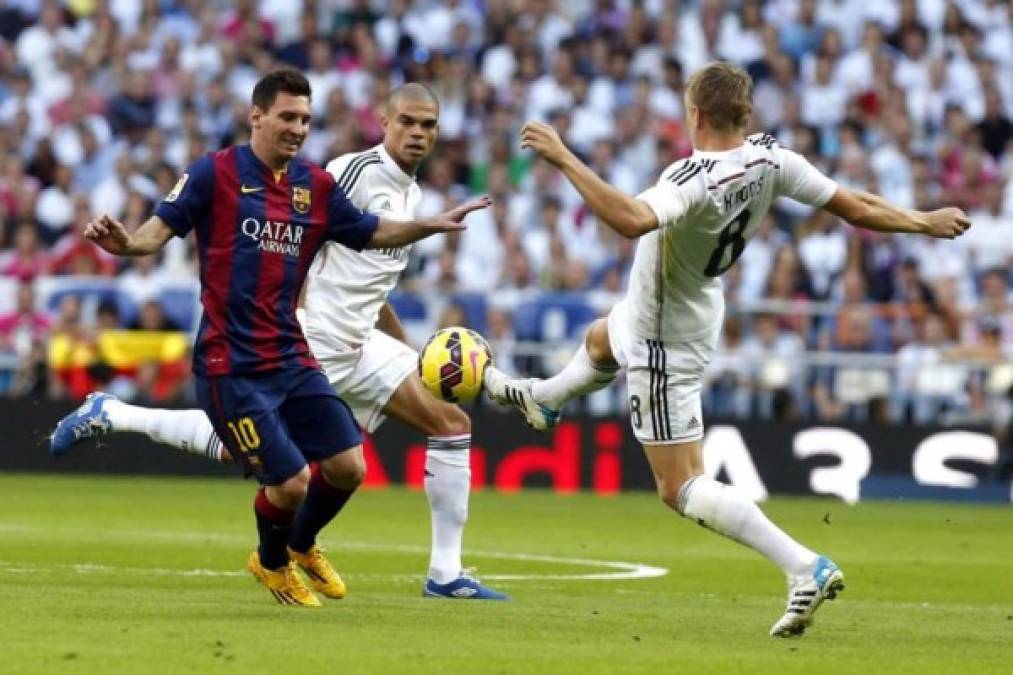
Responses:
[132,575]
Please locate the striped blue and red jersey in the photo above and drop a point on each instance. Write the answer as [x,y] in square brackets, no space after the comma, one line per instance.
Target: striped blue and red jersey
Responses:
[256,237]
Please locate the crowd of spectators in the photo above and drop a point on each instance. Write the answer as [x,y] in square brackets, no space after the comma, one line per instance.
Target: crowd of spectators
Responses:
[104,102]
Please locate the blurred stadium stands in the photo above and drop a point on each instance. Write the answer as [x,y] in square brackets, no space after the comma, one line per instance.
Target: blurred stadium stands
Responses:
[102,104]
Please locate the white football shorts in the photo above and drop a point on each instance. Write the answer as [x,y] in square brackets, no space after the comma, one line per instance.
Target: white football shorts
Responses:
[664,379]
[365,377]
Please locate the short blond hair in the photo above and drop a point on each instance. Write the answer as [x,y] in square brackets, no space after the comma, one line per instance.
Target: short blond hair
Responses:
[724,93]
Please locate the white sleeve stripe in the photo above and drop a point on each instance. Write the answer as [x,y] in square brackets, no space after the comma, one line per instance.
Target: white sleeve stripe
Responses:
[348,167]
[347,187]
[677,173]
[685,177]
[353,164]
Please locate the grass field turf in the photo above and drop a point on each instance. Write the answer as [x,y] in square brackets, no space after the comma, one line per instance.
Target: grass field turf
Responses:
[91,581]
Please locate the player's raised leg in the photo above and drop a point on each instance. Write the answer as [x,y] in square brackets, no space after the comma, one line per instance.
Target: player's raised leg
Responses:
[591,368]
[89,420]
[682,485]
[447,483]
[188,430]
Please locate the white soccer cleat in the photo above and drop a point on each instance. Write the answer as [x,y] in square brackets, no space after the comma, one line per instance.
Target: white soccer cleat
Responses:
[805,595]
[509,391]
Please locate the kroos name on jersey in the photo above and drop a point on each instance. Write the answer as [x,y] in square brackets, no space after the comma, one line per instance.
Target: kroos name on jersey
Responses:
[743,194]
[274,236]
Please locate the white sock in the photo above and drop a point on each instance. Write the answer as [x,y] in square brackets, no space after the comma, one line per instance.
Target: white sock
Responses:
[187,430]
[580,376]
[723,509]
[448,484]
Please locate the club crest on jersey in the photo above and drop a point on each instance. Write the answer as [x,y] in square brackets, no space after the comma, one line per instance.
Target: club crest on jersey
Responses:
[301,199]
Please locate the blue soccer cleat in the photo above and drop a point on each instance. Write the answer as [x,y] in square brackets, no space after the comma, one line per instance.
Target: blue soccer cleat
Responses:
[464,587]
[805,594]
[88,421]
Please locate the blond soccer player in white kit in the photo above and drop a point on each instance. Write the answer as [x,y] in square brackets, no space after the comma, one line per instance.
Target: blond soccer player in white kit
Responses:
[356,337]
[692,226]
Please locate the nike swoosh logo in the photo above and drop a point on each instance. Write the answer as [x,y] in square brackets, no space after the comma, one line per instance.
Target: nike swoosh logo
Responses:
[246,189]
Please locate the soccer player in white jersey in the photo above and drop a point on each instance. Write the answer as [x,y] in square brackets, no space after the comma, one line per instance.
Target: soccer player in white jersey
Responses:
[692,226]
[356,337]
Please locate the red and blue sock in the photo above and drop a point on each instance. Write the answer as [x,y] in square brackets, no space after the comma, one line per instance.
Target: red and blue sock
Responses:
[323,502]
[274,524]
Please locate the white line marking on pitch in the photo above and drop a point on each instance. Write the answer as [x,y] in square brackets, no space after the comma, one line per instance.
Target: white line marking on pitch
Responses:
[623,570]
[617,570]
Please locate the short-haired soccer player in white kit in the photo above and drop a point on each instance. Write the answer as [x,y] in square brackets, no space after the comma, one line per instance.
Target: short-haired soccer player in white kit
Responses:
[356,337]
[693,225]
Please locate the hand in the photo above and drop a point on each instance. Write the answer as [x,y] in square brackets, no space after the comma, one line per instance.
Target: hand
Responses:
[108,234]
[947,223]
[450,221]
[545,140]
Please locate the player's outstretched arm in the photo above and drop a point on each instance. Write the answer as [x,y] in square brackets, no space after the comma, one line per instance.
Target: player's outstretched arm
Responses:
[871,212]
[110,234]
[393,233]
[627,215]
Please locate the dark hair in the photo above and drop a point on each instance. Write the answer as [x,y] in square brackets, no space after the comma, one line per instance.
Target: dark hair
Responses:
[287,80]
[416,92]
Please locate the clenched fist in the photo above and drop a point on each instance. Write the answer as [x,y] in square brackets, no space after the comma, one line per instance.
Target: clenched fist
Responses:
[948,223]
[545,140]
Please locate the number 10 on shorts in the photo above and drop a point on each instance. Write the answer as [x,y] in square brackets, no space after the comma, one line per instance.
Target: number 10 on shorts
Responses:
[245,433]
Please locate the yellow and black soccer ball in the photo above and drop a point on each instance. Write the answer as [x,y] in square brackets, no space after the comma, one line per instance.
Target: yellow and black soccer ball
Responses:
[452,362]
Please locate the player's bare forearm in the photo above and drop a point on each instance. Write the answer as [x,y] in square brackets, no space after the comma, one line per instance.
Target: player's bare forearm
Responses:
[112,236]
[150,237]
[872,212]
[628,216]
[393,233]
[881,216]
[388,322]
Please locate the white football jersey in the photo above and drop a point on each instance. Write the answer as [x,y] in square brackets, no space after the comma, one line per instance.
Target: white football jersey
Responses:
[709,206]
[345,289]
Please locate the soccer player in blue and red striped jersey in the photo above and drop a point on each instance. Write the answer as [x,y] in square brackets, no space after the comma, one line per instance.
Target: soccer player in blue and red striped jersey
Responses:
[260,215]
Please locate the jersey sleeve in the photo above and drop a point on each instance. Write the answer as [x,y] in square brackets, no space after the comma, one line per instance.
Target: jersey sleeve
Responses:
[346,223]
[801,181]
[669,200]
[336,167]
[190,198]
